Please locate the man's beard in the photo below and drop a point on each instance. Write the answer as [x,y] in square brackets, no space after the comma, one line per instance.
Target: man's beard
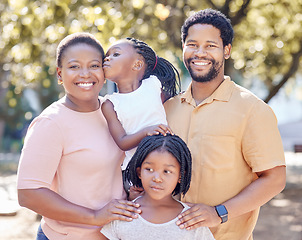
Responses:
[213,72]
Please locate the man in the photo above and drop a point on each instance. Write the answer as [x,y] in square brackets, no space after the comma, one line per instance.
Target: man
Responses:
[238,158]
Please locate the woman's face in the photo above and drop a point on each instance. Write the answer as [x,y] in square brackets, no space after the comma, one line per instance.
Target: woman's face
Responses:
[81,72]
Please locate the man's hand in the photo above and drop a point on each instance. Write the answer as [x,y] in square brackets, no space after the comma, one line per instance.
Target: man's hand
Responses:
[197,216]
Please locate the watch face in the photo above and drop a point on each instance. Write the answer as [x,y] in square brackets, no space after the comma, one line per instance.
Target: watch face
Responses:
[221,210]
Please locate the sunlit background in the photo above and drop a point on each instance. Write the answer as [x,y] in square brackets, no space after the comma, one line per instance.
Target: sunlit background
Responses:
[266,58]
[266,54]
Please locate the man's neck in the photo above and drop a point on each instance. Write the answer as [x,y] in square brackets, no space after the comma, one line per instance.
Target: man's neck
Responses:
[202,90]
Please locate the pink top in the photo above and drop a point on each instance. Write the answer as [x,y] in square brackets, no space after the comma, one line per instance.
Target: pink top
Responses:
[73,154]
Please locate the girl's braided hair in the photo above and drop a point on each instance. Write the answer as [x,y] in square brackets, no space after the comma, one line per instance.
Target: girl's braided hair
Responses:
[170,143]
[160,67]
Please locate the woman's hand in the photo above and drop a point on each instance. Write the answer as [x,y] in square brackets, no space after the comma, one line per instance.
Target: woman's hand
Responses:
[117,210]
[135,192]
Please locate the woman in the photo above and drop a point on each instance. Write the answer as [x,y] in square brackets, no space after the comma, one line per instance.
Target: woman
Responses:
[69,169]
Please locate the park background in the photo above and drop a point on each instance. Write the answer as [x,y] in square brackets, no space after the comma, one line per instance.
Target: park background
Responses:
[266,59]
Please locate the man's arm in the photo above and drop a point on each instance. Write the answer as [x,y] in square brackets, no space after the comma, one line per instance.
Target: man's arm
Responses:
[269,184]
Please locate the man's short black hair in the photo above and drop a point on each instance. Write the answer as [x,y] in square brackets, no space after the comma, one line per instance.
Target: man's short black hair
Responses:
[210,17]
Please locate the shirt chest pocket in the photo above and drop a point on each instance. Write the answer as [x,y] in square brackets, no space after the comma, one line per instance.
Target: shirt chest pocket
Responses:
[216,152]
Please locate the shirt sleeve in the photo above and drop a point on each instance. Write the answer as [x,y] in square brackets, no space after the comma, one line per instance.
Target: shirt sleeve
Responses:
[41,154]
[262,144]
[109,231]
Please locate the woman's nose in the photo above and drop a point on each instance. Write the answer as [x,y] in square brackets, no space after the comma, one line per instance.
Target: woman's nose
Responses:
[85,73]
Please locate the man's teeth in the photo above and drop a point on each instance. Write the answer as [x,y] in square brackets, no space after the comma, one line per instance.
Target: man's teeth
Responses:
[85,84]
[200,63]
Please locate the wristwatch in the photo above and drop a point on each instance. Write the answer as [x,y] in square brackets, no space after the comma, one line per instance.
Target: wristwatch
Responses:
[222,213]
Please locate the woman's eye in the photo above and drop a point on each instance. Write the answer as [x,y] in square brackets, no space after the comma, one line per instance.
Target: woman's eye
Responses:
[95,66]
[73,66]
[116,54]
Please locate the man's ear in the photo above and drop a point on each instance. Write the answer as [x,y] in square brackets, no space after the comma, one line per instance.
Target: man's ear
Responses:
[138,172]
[227,51]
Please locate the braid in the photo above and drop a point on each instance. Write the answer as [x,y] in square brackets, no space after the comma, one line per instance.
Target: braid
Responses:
[160,67]
[171,143]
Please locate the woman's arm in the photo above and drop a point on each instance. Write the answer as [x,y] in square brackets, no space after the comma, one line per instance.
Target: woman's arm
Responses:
[124,141]
[51,205]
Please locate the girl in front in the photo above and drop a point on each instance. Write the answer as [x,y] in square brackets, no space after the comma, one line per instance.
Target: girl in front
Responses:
[162,166]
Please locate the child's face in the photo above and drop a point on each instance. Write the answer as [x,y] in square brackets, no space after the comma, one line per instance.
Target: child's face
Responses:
[81,72]
[159,173]
[120,62]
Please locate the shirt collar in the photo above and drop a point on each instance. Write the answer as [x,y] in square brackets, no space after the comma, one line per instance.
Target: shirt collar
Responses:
[222,93]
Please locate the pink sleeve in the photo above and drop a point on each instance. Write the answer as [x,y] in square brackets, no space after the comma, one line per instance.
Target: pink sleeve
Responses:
[41,154]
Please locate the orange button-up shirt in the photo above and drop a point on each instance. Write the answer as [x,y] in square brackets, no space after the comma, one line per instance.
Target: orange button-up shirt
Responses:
[232,135]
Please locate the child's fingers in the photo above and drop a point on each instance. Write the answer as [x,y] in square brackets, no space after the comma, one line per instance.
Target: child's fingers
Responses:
[170,130]
[166,129]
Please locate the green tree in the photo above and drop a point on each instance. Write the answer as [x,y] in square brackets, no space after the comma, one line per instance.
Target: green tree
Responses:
[267,44]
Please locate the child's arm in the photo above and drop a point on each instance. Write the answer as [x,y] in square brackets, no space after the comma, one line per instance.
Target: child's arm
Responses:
[124,141]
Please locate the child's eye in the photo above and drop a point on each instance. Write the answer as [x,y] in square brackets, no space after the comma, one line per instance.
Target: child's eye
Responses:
[149,169]
[168,171]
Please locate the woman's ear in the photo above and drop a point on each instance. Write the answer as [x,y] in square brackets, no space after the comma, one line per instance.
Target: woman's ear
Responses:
[59,76]
[138,172]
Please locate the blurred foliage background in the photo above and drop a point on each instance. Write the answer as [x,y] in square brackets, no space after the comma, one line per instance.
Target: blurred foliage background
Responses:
[267,45]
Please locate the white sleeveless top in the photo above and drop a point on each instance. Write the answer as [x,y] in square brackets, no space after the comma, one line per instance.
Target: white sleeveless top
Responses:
[139,109]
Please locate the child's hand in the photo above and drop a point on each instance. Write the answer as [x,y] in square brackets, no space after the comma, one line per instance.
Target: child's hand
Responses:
[134,192]
[159,129]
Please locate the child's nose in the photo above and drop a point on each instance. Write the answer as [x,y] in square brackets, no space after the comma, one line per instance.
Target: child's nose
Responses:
[157,177]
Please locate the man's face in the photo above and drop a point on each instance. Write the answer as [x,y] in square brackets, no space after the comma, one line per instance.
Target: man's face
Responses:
[204,54]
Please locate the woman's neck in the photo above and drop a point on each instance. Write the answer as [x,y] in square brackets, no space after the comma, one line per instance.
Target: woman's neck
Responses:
[81,105]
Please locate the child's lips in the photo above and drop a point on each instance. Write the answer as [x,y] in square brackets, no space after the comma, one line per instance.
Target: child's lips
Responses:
[157,188]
